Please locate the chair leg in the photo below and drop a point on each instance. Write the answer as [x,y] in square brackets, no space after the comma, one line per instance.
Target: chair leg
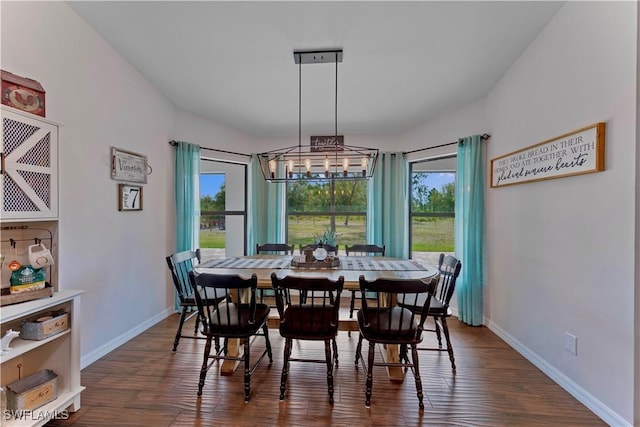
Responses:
[436,321]
[265,330]
[369,386]
[445,329]
[329,359]
[335,351]
[404,356]
[359,349]
[247,371]
[205,364]
[353,304]
[183,316]
[197,324]
[416,373]
[285,368]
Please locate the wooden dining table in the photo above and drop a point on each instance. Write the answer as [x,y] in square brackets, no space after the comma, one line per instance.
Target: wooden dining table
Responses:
[351,268]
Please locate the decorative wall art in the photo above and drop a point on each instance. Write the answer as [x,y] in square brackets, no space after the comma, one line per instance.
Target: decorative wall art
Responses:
[128,166]
[574,153]
[22,93]
[129,197]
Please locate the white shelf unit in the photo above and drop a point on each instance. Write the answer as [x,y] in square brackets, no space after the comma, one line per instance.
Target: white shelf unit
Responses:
[60,353]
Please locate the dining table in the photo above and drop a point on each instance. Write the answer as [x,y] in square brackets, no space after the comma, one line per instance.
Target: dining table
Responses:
[349,267]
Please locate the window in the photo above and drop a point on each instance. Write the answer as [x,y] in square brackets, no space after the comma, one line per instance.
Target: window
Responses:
[433,206]
[222,209]
[334,211]
[212,206]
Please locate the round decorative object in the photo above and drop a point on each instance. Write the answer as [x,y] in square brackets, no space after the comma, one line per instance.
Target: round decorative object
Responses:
[24,99]
[320,254]
[14,265]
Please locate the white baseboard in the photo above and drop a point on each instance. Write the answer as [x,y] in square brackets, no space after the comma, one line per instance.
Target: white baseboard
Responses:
[583,396]
[101,351]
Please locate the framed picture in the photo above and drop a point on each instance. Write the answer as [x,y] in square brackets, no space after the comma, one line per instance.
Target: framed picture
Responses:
[574,153]
[129,197]
[128,166]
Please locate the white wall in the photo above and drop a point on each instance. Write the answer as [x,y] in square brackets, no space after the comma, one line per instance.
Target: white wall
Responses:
[116,257]
[560,254]
[466,121]
[205,133]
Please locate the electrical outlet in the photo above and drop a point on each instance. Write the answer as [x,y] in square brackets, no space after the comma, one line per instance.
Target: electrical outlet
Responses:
[571,343]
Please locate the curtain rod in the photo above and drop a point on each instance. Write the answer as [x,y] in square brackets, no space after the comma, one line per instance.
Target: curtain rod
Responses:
[484,137]
[173,143]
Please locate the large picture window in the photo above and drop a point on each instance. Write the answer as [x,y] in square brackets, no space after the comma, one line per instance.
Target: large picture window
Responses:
[332,211]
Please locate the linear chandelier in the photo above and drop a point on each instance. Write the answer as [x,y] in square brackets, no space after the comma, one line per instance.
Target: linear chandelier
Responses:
[325,157]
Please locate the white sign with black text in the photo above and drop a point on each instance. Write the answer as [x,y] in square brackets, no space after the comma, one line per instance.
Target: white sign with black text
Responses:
[573,153]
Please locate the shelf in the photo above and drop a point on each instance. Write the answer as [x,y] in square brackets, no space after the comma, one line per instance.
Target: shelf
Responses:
[60,353]
[20,346]
[9,313]
[45,413]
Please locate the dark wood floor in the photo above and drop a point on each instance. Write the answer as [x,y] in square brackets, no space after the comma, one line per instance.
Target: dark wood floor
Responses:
[143,383]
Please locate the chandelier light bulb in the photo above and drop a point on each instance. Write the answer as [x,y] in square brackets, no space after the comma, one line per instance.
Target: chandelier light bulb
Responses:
[345,166]
[365,163]
[272,167]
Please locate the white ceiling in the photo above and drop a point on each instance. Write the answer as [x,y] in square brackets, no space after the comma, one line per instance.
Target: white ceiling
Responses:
[404,62]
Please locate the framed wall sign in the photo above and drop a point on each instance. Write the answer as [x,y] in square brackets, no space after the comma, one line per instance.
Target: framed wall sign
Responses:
[574,153]
[129,197]
[327,143]
[128,166]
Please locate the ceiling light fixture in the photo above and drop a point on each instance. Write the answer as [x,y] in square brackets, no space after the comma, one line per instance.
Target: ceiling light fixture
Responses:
[325,157]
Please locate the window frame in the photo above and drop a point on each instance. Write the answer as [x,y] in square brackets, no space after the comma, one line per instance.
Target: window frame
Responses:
[225,212]
[413,214]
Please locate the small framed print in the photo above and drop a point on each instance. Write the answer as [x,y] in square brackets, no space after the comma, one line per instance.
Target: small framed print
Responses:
[129,197]
[128,166]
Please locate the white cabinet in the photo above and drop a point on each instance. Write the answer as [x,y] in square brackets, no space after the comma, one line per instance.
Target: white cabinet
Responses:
[60,353]
[29,178]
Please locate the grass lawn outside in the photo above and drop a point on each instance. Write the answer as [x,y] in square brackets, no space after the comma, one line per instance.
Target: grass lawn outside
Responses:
[428,234]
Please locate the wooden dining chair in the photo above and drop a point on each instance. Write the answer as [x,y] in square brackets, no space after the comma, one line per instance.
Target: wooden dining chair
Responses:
[382,321]
[361,250]
[308,318]
[236,317]
[180,264]
[273,249]
[449,268]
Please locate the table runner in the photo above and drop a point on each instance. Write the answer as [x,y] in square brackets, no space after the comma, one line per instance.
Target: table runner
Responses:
[346,263]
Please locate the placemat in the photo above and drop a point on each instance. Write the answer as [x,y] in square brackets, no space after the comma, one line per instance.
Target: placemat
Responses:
[270,263]
[365,264]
